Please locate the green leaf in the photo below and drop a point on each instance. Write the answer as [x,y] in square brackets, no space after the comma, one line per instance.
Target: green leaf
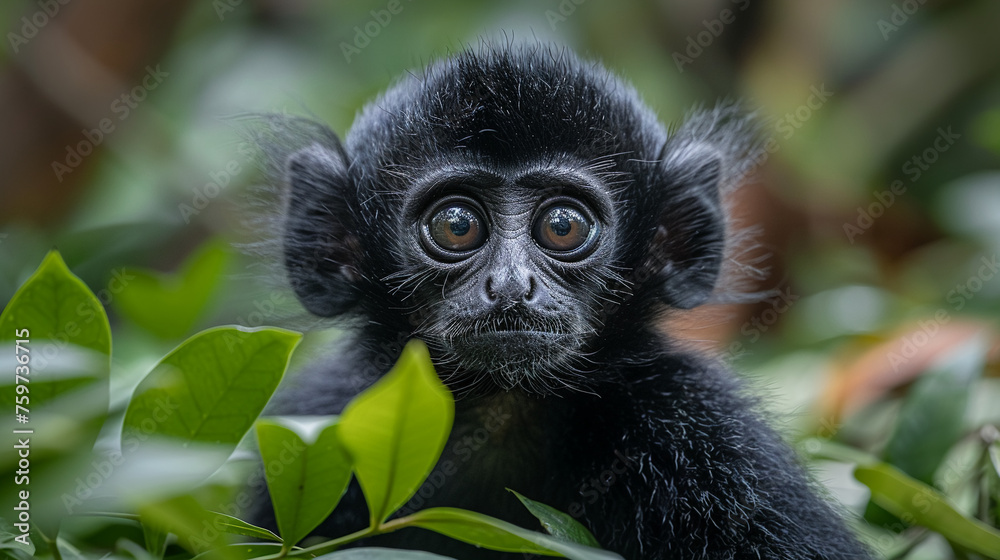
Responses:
[241,551]
[155,539]
[126,548]
[235,526]
[169,305]
[211,388]
[917,503]
[308,478]
[67,551]
[199,529]
[186,518]
[55,348]
[11,548]
[150,471]
[986,130]
[396,429]
[64,325]
[932,418]
[380,554]
[488,532]
[557,523]
[825,449]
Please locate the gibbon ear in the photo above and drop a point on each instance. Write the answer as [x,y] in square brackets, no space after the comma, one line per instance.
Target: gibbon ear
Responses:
[685,254]
[320,248]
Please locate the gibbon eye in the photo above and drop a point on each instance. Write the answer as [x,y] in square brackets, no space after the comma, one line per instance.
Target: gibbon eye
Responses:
[564,229]
[456,227]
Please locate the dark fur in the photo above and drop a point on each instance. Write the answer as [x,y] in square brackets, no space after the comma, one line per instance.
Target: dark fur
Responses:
[655,449]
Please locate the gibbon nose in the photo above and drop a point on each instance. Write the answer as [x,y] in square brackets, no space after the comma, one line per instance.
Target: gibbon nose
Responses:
[510,288]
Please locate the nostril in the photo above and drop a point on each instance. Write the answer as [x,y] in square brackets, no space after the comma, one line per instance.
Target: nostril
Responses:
[529,296]
[491,293]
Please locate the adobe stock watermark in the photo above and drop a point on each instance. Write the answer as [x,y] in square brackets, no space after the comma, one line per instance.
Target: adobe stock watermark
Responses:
[244,499]
[592,490]
[32,24]
[224,7]
[85,315]
[786,126]
[265,308]
[218,181]
[958,297]
[363,34]
[755,327]
[922,501]
[121,108]
[826,430]
[462,450]
[958,467]
[120,279]
[105,466]
[901,14]
[697,43]
[792,121]
[914,169]
[563,11]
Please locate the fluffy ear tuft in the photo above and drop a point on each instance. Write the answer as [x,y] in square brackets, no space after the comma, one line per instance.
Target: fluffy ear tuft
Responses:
[707,157]
[685,254]
[321,250]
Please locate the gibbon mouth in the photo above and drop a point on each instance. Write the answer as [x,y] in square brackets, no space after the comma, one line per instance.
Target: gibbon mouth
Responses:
[514,325]
[514,340]
[502,334]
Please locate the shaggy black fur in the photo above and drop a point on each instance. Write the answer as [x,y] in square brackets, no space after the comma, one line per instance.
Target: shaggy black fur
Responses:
[567,391]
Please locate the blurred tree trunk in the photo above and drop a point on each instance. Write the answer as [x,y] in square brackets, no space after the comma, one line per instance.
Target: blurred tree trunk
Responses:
[63,77]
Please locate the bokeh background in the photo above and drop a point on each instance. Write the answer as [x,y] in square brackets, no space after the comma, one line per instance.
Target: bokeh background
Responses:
[877,209]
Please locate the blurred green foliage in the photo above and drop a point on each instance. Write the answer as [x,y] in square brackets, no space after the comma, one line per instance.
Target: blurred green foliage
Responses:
[880,208]
[183,422]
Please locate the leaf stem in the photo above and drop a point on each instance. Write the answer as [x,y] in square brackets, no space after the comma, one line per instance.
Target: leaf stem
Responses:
[330,546]
[52,544]
[915,539]
[116,515]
